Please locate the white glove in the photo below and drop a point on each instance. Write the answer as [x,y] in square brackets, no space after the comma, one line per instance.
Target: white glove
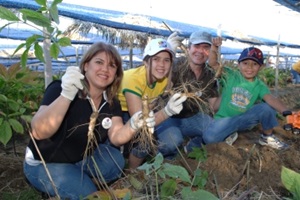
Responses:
[174,41]
[136,121]
[71,82]
[174,105]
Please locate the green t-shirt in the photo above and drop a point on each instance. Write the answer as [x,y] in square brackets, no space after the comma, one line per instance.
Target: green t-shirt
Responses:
[238,94]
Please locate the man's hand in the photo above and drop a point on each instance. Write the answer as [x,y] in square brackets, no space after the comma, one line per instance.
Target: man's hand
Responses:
[174,105]
[174,41]
[71,82]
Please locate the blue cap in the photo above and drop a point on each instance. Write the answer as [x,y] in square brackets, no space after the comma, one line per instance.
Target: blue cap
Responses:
[252,53]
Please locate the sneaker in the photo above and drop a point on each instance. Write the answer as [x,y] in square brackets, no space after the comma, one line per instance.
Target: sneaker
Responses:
[231,138]
[272,141]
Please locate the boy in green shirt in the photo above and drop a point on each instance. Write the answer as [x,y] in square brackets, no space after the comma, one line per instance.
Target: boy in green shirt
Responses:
[238,105]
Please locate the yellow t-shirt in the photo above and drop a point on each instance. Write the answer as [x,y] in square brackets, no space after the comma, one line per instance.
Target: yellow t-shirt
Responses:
[296,66]
[134,81]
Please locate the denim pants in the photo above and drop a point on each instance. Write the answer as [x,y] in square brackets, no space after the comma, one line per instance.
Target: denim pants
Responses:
[74,181]
[172,132]
[220,129]
[296,76]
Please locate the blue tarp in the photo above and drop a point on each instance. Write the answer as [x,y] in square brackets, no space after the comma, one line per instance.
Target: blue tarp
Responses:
[103,17]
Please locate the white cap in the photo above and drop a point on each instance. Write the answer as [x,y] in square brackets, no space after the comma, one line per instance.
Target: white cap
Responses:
[157,45]
[200,37]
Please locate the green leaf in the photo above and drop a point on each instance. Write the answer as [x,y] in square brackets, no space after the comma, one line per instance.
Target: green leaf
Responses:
[26,118]
[35,17]
[54,13]
[200,178]
[54,50]
[5,132]
[3,98]
[19,47]
[24,58]
[188,194]
[39,22]
[32,39]
[16,125]
[38,52]
[176,171]
[158,161]
[291,181]
[64,41]
[200,154]
[13,105]
[55,2]
[41,2]
[8,15]
[168,188]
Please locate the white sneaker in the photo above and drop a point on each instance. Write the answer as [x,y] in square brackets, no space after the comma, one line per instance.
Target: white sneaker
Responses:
[272,141]
[231,138]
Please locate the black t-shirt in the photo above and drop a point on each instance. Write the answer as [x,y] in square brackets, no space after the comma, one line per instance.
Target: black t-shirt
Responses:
[69,143]
[182,73]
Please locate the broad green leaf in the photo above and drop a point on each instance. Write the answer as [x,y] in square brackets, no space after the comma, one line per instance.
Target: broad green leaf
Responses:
[5,132]
[14,115]
[41,2]
[13,105]
[200,178]
[32,39]
[19,47]
[176,171]
[55,2]
[26,118]
[39,22]
[24,58]
[168,188]
[188,194]
[54,13]
[146,167]
[16,126]
[158,161]
[291,180]
[8,15]
[31,14]
[54,50]
[38,52]
[3,98]
[64,41]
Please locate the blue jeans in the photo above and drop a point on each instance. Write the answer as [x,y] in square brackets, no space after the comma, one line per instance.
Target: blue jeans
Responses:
[74,181]
[296,76]
[172,132]
[220,129]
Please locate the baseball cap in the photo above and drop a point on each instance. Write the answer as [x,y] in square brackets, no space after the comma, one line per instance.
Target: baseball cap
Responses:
[252,53]
[200,37]
[157,45]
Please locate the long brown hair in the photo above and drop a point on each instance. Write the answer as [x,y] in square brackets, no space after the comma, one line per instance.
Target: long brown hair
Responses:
[115,58]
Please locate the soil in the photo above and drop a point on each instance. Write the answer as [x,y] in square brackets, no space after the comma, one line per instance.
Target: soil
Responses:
[245,168]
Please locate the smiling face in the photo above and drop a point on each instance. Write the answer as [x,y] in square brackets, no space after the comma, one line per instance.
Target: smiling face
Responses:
[198,53]
[159,66]
[100,71]
[249,69]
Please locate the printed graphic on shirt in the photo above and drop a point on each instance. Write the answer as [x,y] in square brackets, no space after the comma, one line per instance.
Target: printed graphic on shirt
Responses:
[240,97]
